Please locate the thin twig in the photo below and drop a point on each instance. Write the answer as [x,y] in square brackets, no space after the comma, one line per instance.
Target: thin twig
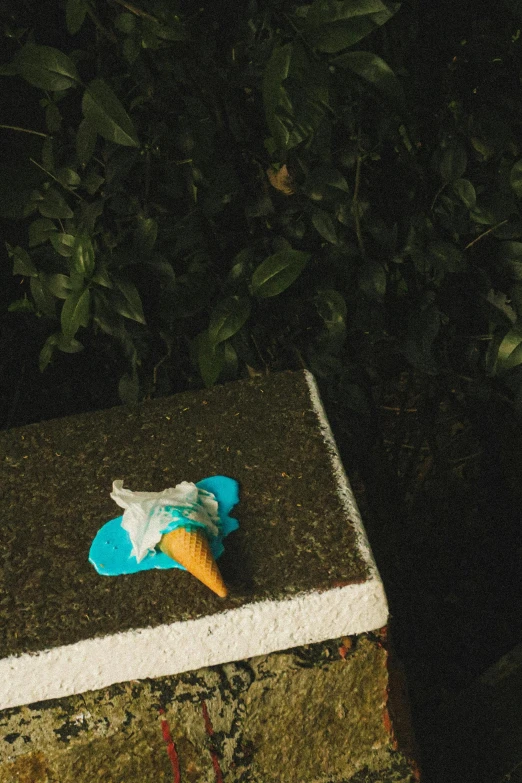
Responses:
[65,187]
[437,194]
[405,401]
[467,458]
[256,346]
[397,409]
[481,236]
[25,130]
[158,365]
[300,35]
[355,202]
[99,25]
[135,10]
[147,178]
[300,359]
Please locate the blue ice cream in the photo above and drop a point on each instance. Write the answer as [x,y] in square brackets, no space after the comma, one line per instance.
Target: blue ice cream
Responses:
[128,544]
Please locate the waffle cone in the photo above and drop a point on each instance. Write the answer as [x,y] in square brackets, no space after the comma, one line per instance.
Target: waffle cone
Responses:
[191,549]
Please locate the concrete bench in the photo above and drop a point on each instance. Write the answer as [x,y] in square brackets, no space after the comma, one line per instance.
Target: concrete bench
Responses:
[150,677]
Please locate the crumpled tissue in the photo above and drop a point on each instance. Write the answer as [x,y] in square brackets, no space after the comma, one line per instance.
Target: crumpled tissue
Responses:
[128,544]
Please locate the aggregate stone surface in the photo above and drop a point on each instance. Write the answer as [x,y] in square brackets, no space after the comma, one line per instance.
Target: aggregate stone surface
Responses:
[55,480]
[313,714]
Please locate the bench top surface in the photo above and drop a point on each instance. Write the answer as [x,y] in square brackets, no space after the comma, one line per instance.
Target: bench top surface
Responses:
[56,476]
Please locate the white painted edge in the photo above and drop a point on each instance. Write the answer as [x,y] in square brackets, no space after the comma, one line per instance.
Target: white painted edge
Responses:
[343,485]
[254,629]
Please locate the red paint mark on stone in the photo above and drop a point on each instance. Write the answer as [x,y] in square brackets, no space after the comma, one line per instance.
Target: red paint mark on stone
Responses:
[346,646]
[388,726]
[397,717]
[171,748]
[210,733]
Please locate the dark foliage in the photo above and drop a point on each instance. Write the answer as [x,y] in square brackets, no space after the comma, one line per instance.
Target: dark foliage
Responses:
[194,193]
[211,192]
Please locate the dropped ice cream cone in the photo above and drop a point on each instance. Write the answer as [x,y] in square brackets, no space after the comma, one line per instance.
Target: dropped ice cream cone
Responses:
[192,550]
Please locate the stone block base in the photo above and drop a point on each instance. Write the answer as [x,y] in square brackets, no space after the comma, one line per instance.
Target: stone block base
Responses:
[313,714]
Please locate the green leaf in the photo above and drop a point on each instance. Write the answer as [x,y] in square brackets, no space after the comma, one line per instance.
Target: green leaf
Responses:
[92,182]
[210,357]
[296,95]
[500,309]
[230,359]
[62,243]
[324,225]
[131,49]
[447,256]
[145,235]
[48,154]
[509,255]
[60,341]
[375,71]
[228,317]
[125,23]
[466,192]
[46,354]
[40,230]
[483,217]
[105,317]
[77,279]
[157,30]
[46,67]
[325,182]
[83,255]
[510,349]
[85,140]
[23,305]
[331,307]
[274,93]
[59,285]
[75,312]
[22,262]
[68,344]
[453,162]
[101,276]
[163,270]
[103,109]
[129,303]
[68,177]
[277,272]
[372,280]
[88,215]
[75,11]
[323,12]
[54,205]
[333,25]
[43,299]
[515,178]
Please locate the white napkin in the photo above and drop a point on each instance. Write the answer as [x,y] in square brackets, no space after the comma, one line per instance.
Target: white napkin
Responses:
[146,517]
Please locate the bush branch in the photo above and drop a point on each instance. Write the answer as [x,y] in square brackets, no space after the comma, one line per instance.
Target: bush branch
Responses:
[25,130]
[355,202]
[481,236]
